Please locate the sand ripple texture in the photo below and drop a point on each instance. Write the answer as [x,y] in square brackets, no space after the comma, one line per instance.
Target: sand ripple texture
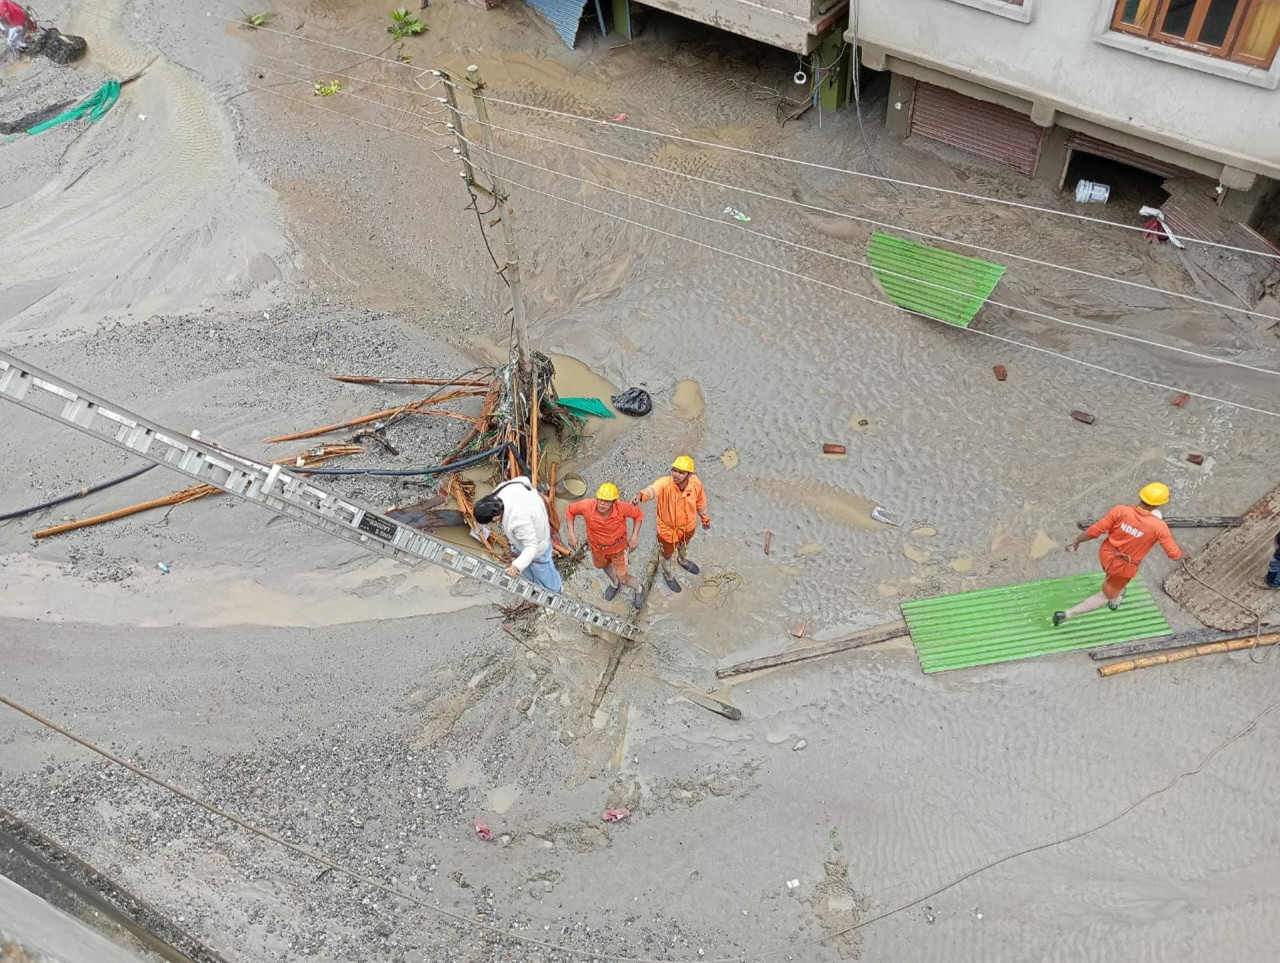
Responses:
[146,211]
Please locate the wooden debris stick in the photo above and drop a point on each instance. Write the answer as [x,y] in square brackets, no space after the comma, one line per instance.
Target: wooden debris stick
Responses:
[174,498]
[712,703]
[533,433]
[1191,521]
[435,382]
[1122,650]
[881,633]
[1164,658]
[486,409]
[414,407]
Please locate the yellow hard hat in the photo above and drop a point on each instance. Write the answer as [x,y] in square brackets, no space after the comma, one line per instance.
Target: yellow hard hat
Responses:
[1154,493]
[683,463]
[608,492]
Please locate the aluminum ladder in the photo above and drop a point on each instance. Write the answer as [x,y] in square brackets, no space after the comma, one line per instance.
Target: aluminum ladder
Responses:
[274,488]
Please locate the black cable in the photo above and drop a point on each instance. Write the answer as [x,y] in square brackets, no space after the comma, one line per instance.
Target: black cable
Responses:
[63,499]
[475,206]
[405,472]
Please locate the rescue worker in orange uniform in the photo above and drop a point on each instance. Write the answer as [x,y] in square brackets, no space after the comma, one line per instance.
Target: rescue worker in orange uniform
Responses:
[1132,531]
[606,522]
[681,502]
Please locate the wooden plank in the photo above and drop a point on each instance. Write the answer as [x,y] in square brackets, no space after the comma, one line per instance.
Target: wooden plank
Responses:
[1177,641]
[881,633]
[715,705]
[1191,521]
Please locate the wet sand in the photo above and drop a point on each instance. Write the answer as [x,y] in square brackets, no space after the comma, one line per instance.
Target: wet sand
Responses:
[377,712]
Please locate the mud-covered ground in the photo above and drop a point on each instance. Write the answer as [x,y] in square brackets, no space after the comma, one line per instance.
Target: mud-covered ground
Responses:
[209,252]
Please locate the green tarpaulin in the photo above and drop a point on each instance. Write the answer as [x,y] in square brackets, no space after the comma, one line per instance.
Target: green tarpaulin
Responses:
[587,406]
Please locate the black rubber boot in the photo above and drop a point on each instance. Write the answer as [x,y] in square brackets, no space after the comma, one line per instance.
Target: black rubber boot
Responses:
[1059,618]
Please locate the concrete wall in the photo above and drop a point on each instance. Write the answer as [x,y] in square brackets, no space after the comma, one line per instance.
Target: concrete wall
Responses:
[1058,56]
[793,25]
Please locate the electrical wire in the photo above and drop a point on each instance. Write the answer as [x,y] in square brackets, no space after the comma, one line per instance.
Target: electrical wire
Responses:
[867,220]
[985,198]
[883,271]
[346,93]
[406,472]
[358,120]
[372,83]
[322,43]
[863,297]
[356,875]
[986,334]
[82,493]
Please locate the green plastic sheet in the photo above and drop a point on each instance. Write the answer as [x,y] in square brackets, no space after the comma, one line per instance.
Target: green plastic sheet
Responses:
[587,406]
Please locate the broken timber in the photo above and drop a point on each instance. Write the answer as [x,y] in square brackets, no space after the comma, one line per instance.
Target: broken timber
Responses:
[1181,640]
[1191,521]
[713,704]
[881,633]
[1194,652]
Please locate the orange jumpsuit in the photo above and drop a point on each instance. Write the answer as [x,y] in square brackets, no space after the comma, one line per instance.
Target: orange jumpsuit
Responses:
[606,534]
[678,511]
[1131,533]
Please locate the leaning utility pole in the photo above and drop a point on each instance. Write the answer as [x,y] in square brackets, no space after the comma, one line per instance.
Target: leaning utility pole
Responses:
[500,196]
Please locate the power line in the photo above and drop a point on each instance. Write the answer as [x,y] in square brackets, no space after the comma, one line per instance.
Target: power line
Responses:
[785,200]
[986,334]
[867,220]
[763,154]
[774,267]
[358,120]
[336,867]
[878,271]
[876,177]
[888,304]
[345,93]
[320,71]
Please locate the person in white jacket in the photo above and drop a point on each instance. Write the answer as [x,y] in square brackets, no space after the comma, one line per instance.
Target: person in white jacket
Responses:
[524,521]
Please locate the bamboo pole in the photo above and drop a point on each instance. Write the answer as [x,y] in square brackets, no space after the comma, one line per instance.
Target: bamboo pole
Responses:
[1194,652]
[413,407]
[174,498]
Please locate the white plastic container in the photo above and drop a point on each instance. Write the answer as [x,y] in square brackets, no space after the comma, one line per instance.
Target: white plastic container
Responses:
[1087,192]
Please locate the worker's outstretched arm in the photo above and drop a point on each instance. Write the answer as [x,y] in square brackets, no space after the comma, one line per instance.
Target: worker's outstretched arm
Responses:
[645,495]
[1101,527]
[570,516]
[1170,547]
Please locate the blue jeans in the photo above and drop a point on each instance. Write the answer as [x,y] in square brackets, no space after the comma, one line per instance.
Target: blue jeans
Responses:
[542,571]
[1273,571]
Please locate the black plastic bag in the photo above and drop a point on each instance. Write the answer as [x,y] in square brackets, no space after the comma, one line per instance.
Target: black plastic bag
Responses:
[633,401]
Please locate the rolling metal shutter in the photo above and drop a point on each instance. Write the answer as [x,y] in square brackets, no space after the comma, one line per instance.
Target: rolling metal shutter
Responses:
[565,15]
[988,130]
[1100,148]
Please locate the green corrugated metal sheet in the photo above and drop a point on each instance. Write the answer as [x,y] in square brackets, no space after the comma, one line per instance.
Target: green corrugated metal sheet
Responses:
[1016,622]
[938,283]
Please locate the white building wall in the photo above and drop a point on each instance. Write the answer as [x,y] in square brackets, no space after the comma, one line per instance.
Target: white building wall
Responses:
[1059,56]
